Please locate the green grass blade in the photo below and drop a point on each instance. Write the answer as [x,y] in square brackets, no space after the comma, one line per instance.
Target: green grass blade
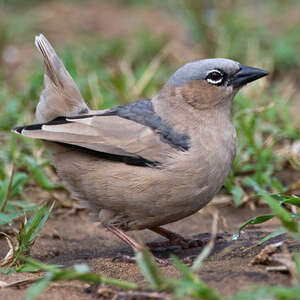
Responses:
[33,223]
[281,213]
[191,284]
[19,180]
[40,225]
[183,269]
[37,288]
[149,269]
[290,200]
[39,174]
[272,235]
[253,221]
[297,259]
[77,272]
[201,257]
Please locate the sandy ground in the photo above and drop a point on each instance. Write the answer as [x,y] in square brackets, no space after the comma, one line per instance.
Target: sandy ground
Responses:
[69,240]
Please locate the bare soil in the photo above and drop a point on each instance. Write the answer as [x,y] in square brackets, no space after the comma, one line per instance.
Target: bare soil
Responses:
[75,239]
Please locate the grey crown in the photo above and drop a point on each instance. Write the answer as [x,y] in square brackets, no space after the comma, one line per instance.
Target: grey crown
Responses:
[198,70]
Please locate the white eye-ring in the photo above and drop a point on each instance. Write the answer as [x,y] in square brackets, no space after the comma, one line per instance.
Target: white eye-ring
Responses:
[215,77]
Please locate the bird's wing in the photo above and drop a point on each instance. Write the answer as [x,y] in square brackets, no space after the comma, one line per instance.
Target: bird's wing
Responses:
[139,134]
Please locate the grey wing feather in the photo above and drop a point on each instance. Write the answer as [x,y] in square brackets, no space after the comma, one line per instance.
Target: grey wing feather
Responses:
[134,131]
[109,134]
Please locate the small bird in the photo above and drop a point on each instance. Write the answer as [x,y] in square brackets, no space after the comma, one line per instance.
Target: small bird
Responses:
[147,163]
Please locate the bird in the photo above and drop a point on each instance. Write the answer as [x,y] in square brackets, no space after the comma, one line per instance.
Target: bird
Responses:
[147,163]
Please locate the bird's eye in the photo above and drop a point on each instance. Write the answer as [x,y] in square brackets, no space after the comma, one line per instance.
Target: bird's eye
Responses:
[215,77]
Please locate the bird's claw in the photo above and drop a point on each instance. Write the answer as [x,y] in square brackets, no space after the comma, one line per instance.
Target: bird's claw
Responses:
[131,259]
[174,244]
[124,258]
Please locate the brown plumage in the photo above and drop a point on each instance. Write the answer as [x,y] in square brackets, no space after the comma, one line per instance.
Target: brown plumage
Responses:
[148,163]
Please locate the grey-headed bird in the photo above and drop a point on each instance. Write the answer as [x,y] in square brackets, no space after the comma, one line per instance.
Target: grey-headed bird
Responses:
[147,163]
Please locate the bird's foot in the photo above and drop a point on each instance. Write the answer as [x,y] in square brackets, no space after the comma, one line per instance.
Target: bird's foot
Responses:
[124,258]
[189,259]
[186,243]
[131,259]
[134,245]
[175,244]
[175,240]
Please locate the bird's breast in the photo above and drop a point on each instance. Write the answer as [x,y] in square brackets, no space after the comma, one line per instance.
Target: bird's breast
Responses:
[215,150]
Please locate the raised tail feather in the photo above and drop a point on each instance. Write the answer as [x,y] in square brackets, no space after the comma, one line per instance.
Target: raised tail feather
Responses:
[61,96]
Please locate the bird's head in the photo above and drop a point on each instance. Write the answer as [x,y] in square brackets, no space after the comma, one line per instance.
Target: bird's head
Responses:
[208,82]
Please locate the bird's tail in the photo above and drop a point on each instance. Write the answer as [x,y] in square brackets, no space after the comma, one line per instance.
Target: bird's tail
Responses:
[61,96]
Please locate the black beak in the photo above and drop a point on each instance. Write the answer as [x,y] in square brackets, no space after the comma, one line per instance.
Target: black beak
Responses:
[245,75]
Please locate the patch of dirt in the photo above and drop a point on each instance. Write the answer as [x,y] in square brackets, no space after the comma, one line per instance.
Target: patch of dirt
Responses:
[69,240]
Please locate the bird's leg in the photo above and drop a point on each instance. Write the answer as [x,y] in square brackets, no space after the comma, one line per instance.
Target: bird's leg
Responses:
[132,244]
[125,238]
[173,239]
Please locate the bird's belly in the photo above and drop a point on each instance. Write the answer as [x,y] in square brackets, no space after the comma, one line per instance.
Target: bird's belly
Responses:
[133,197]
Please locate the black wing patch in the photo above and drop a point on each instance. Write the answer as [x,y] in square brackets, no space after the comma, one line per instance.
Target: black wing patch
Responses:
[129,160]
[56,121]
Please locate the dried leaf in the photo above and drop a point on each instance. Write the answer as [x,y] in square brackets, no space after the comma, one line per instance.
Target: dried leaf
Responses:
[264,256]
[10,254]
[18,283]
